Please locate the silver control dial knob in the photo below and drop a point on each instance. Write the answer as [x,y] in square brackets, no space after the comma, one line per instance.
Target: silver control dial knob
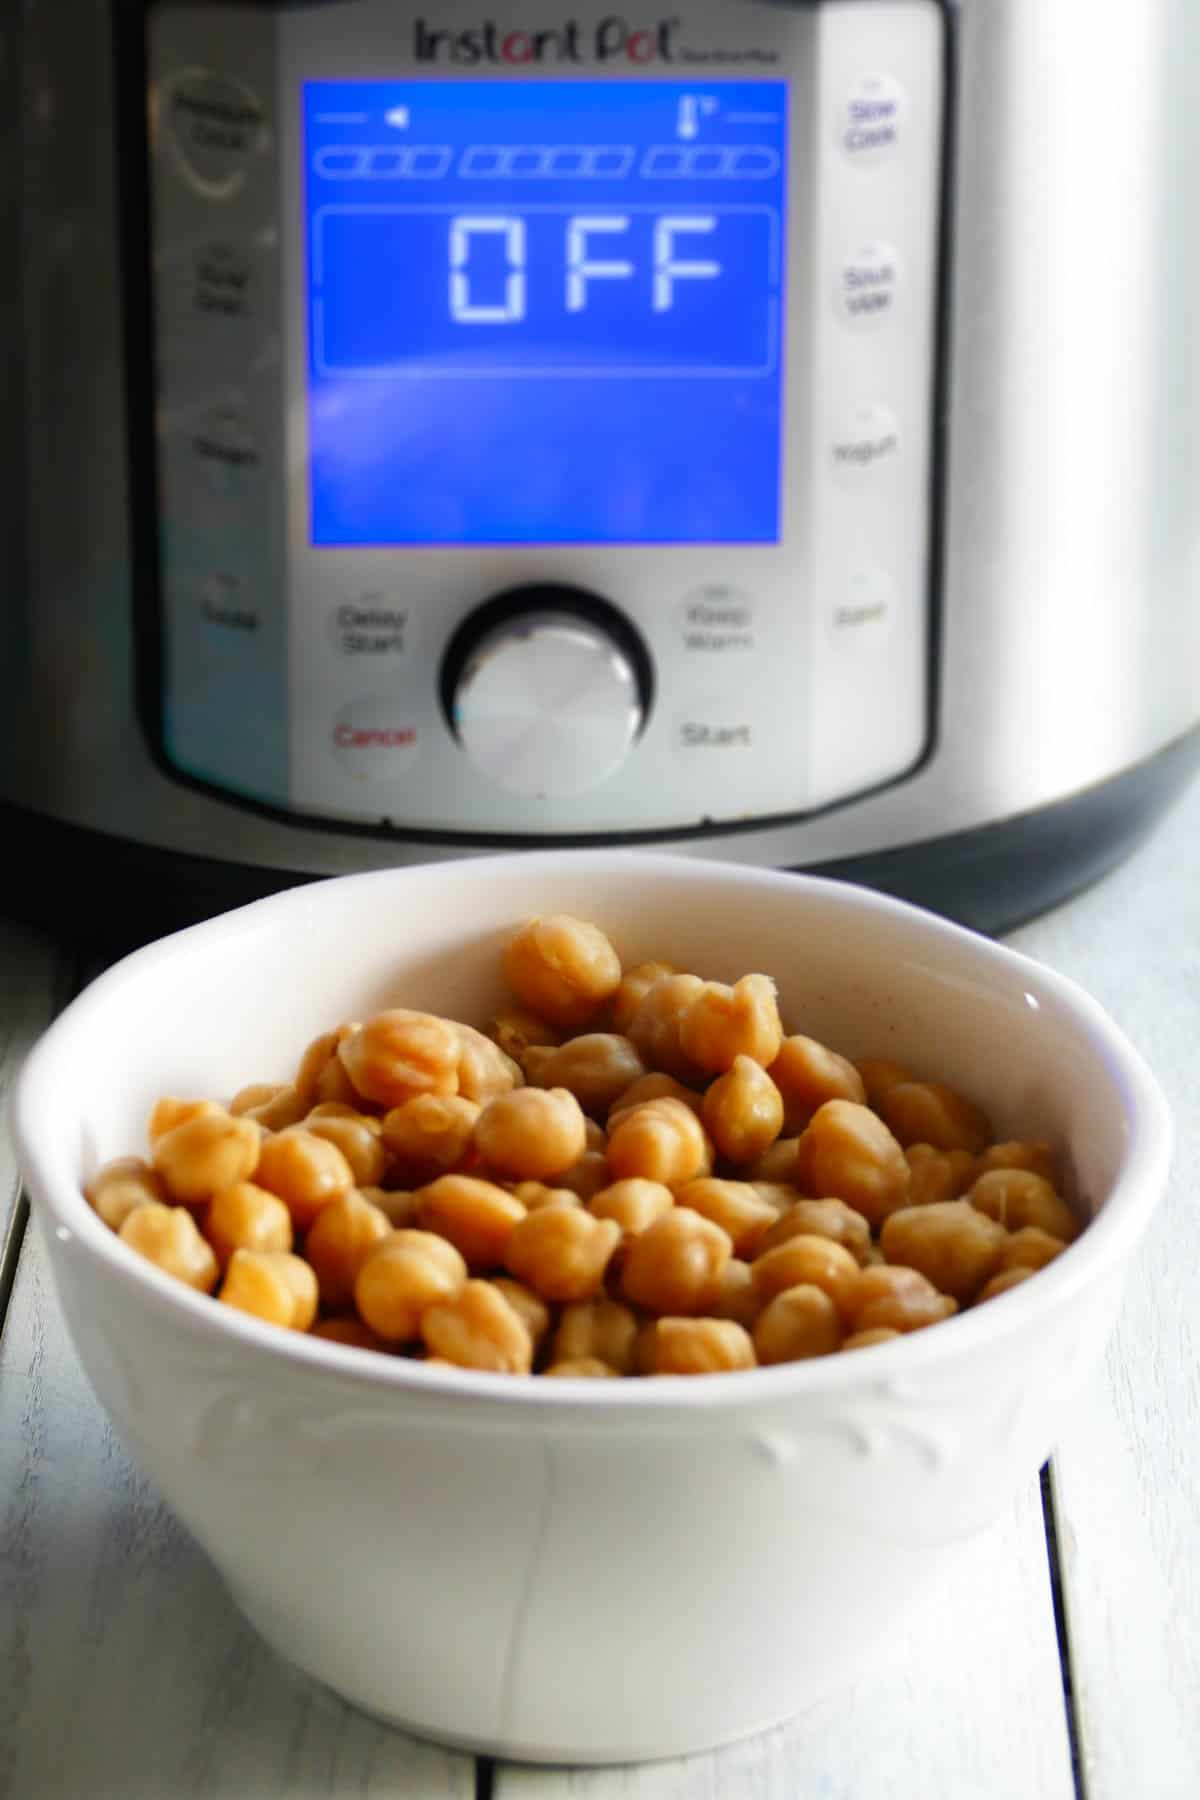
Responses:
[547,704]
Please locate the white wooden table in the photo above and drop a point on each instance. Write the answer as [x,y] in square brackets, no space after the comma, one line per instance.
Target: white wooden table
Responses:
[1065,1662]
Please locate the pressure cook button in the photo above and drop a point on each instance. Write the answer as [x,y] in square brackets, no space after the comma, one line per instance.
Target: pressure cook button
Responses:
[867,443]
[870,122]
[375,739]
[868,286]
[215,127]
[865,614]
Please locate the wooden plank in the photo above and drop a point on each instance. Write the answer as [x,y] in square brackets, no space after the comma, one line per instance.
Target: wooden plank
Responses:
[1127,1474]
[32,979]
[966,1700]
[127,1673]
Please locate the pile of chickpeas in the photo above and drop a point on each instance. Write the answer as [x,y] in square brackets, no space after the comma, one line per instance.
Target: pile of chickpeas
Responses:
[630,1173]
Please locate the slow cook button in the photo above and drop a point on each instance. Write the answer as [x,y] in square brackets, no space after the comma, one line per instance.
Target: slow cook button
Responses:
[717,620]
[870,121]
[862,618]
[375,740]
[223,282]
[866,444]
[869,285]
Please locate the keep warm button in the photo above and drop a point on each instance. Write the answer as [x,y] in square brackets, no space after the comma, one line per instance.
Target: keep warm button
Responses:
[374,740]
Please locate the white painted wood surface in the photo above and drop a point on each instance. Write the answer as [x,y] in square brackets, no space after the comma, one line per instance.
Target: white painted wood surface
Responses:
[1127,1475]
[30,967]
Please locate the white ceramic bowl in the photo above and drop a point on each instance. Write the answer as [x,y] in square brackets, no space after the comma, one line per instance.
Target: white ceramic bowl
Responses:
[582,1571]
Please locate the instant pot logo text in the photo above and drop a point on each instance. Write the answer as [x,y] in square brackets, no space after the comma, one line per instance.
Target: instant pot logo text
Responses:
[615,40]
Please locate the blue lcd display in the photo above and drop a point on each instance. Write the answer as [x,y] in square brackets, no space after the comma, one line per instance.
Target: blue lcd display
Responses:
[545,311]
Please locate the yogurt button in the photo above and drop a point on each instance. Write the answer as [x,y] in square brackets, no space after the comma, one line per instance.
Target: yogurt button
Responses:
[865,445]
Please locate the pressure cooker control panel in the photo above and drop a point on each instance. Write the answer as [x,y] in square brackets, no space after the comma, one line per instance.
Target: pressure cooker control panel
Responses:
[545,415]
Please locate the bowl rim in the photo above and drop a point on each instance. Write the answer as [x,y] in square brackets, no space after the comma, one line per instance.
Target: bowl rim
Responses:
[1109,1237]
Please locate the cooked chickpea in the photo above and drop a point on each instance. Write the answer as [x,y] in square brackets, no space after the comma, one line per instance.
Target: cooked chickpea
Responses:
[399,1054]
[562,1252]
[320,1055]
[779,1196]
[170,1112]
[531,1134]
[123,1185]
[586,1368]
[600,1328]
[407,1272]
[929,1112]
[862,1340]
[936,1175]
[348,1330]
[527,1305]
[516,1031]
[661,1140]
[588,1176]
[259,1093]
[341,1237]
[597,1069]
[808,1262]
[431,1134]
[533,1195]
[562,969]
[477,1217]
[831,1219]
[479,1329]
[207,1151]
[169,1237]
[656,1086]
[780,1165]
[702,1347]
[898,1298]
[807,1074]
[1029,1248]
[246,1217]
[1001,1283]
[635,985]
[675,1266]
[634,1204]
[358,1142]
[738,1298]
[399,1206]
[735,1206]
[339,1109]
[1017,1198]
[847,1153]
[484,1070]
[284,1107]
[723,1023]
[334,1086]
[1034,1158]
[271,1285]
[952,1245]
[799,1323]
[306,1172]
[743,1111]
[878,1074]
[655,1027]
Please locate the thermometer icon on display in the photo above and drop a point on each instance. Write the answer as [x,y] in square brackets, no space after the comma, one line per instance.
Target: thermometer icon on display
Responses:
[693,107]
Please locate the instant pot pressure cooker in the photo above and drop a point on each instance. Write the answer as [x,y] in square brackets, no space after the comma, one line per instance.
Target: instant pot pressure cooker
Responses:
[767,430]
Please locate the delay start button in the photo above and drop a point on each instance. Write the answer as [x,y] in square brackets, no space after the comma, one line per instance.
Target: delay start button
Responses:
[374,739]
